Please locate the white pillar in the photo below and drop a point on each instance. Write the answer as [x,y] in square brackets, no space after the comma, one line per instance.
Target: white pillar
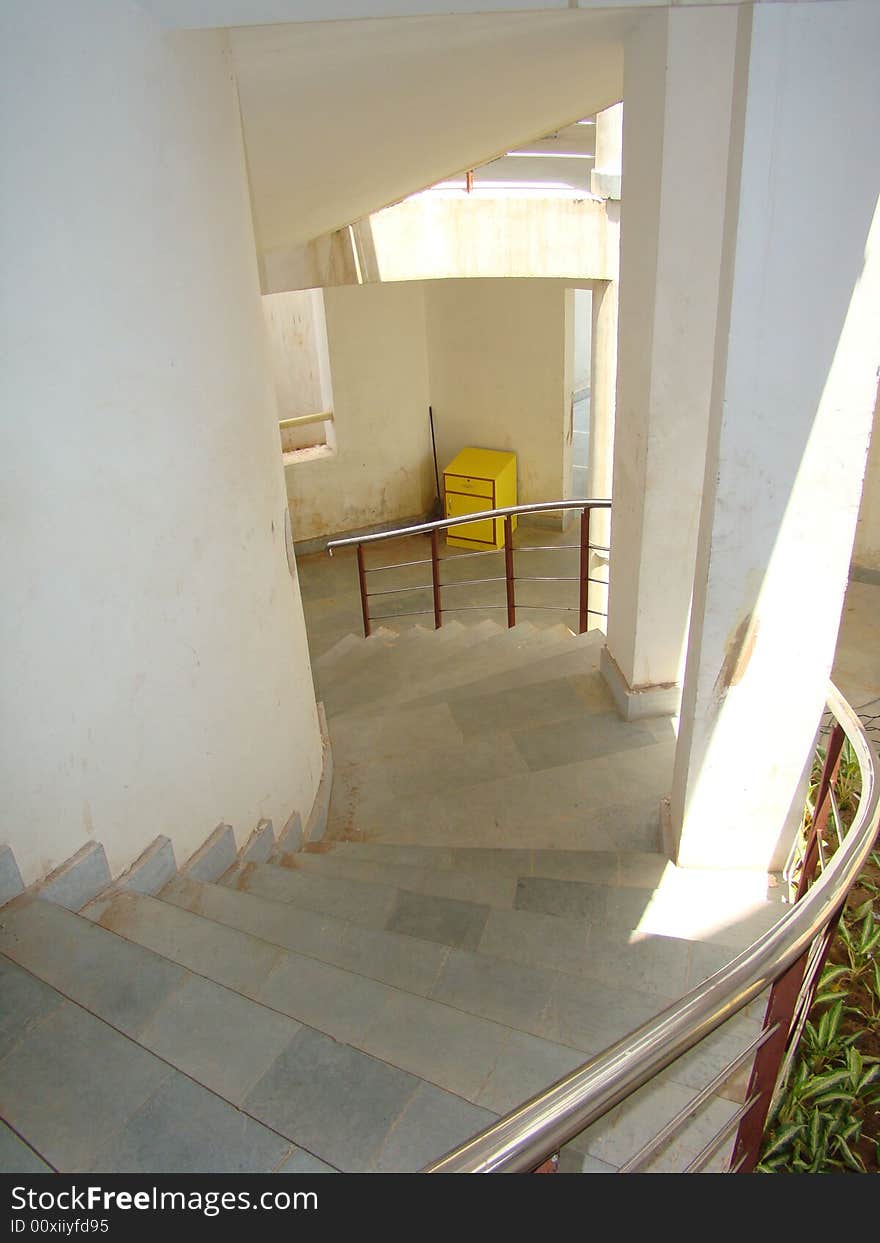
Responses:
[795,381]
[605,178]
[155,675]
[677,98]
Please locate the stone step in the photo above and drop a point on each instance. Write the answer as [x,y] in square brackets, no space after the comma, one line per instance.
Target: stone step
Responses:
[381,647]
[81,1093]
[246,1052]
[539,1002]
[531,662]
[421,670]
[351,653]
[593,804]
[594,947]
[449,1048]
[407,664]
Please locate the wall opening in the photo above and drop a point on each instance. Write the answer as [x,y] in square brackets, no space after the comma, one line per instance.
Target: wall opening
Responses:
[300,361]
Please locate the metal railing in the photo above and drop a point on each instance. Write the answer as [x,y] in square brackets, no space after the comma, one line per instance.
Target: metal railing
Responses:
[585,546]
[788,959]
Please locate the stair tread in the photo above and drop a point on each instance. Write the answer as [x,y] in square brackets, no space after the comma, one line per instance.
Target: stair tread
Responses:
[86,1097]
[415,672]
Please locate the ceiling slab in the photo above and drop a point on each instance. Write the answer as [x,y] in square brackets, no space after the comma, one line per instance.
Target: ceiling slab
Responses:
[342,119]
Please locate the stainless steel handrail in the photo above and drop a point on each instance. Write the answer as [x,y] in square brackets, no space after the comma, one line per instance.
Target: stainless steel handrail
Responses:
[539,507]
[527,1136]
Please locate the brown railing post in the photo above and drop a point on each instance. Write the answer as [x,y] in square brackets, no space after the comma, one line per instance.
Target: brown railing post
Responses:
[362,579]
[584,570]
[435,581]
[508,571]
[786,991]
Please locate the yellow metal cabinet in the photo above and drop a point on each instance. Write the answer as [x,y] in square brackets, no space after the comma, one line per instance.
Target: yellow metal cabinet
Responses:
[475,480]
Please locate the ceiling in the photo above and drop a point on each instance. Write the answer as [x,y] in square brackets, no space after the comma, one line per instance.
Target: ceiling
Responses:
[343,118]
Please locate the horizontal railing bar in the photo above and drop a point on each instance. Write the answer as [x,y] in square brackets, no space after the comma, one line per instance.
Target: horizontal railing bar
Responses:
[411,613]
[443,524]
[554,608]
[721,1135]
[600,582]
[482,552]
[473,608]
[396,565]
[302,420]
[464,582]
[547,578]
[524,1138]
[395,591]
[545,547]
[674,1124]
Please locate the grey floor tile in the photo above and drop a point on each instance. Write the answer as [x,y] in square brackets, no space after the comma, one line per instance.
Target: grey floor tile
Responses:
[16,1157]
[335,1101]
[573,1162]
[218,1037]
[432,1123]
[526,1066]
[596,867]
[404,962]
[121,982]
[336,1002]
[447,920]
[305,932]
[73,1083]
[540,703]
[537,940]
[556,743]
[183,1128]
[653,964]
[493,860]
[573,898]
[590,1015]
[360,901]
[495,988]
[24,1002]
[230,957]
[447,1047]
[302,1162]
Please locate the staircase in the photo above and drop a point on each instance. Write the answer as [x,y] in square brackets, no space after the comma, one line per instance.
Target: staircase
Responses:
[488,908]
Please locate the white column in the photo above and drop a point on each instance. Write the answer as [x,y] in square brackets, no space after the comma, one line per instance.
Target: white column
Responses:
[677,99]
[607,166]
[794,390]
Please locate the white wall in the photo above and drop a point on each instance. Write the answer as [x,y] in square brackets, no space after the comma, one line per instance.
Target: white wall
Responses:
[866,553]
[155,675]
[496,352]
[382,469]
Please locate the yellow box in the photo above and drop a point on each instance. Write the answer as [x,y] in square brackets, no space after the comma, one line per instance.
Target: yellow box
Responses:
[475,480]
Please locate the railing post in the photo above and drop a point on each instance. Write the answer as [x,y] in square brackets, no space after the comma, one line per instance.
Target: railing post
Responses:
[584,571]
[435,581]
[508,572]
[362,580]
[821,808]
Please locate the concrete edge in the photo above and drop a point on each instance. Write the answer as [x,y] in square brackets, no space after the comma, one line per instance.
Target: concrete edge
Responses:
[78,880]
[11,884]
[214,857]
[260,845]
[635,704]
[316,825]
[152,870]
[290,839]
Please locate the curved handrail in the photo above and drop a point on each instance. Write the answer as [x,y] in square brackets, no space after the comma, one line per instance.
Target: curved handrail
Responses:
[537,1129]
[441,524]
